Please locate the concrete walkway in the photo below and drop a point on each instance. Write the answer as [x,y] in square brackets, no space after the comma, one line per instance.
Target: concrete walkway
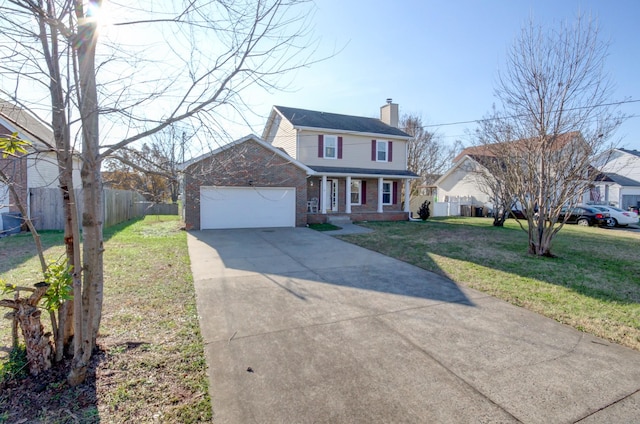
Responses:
[301,327]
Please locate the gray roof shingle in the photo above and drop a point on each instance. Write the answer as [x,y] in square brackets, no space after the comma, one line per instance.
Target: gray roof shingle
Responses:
[622,180]
[631,152]
[315,119]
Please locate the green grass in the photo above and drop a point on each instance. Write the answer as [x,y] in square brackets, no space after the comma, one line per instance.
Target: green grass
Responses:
[593,284]
[324,227]
[153,368]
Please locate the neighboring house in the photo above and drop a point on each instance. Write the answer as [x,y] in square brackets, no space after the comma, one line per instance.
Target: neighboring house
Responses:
[619,184]
[462,185]
[462,190]
[38,168]
[325,165]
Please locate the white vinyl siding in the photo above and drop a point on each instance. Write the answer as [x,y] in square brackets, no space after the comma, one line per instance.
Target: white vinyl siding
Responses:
[356,152]
[284,136]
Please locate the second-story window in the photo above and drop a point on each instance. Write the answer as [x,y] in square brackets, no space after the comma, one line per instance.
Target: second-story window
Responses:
[330,147]
[381,151]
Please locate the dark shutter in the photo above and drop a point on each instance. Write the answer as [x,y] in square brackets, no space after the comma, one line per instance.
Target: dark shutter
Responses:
[390,153]
[395,187]
[320,146]
[363,195]
[339,147]
[373,150]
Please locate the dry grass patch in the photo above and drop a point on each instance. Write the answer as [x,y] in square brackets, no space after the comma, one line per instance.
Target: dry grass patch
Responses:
[151,365]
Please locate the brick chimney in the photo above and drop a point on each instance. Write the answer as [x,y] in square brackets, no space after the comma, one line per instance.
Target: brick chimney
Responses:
[389,113]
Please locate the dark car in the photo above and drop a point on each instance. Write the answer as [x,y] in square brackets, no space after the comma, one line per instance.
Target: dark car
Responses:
[584,215]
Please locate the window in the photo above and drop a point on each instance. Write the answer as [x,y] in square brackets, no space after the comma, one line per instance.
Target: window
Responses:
[387,193]
[330,147]
[381,151]
[355,192]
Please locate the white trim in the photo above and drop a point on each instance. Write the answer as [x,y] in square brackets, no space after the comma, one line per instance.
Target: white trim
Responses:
[359,203]
[337,131]
[323,194]
[384,143]
[347,197]
[407,196]
[390,192]
[365,176]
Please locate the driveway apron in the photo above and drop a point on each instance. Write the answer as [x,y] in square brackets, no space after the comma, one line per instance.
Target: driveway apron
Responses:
[300,327]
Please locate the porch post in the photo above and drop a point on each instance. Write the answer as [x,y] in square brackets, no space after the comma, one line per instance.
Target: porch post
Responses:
[347,204]
[407,195]
[380,208]
[323,193]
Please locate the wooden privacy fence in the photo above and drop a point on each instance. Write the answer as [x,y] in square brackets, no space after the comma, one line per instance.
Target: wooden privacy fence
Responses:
[47,210]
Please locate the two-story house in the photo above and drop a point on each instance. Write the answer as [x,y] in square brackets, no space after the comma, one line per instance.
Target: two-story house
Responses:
[359,164]
[309,167]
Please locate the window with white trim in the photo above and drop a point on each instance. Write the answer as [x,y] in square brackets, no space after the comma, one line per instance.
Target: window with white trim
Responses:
[330,147]
[382,151]
[356,192]
[387,192]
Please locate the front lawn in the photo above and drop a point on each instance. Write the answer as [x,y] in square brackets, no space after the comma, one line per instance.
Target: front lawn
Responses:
[151,366]
[593,284]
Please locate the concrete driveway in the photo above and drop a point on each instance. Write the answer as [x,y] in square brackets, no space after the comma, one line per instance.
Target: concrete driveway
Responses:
[301,327]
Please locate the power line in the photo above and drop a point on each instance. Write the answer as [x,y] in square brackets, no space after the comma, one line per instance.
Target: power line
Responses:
[476,121]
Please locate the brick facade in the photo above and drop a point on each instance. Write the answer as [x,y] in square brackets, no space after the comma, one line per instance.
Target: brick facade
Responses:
[365,212]
[16,171]
[243,165]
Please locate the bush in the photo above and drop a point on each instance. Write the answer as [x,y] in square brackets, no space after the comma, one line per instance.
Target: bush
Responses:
[423,212]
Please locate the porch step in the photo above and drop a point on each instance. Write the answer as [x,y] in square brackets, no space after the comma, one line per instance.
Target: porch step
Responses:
[339,220]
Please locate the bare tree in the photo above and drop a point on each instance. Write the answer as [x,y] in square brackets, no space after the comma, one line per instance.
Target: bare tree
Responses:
[211,53]
[427,155]
[555,117]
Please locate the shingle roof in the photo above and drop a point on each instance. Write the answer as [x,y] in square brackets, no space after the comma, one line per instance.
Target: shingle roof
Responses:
[326,120]
[492,148]
[24,122]
[631,152]
[363,171]
[623,181]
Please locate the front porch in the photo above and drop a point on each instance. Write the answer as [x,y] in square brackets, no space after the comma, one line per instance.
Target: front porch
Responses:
[357,197]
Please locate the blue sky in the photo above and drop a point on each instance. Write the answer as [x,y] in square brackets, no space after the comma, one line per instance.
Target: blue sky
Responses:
[440,59]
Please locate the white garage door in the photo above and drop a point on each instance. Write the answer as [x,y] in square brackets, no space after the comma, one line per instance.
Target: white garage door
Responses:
[247,207]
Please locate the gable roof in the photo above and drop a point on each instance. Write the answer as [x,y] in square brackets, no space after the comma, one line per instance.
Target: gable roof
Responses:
[618,179]
[631,152]
[311,119]
[487,150]
[250,137]
[27,126]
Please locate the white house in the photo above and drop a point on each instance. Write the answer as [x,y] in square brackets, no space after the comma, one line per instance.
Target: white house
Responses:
[620,181]
[38,168]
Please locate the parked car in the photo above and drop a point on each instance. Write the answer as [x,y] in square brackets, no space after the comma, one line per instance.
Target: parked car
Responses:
[584,215]
[619,217]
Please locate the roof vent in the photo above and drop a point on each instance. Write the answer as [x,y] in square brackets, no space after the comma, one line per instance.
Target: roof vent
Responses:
[389,100]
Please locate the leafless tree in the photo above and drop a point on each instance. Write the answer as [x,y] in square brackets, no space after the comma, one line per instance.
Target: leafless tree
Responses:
[427,155]
[555,115]
[56,63]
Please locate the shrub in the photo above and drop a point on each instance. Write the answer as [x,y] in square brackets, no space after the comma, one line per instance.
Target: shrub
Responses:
[423,212]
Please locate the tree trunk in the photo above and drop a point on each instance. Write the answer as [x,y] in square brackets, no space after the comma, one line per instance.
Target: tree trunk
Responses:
[87,317]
